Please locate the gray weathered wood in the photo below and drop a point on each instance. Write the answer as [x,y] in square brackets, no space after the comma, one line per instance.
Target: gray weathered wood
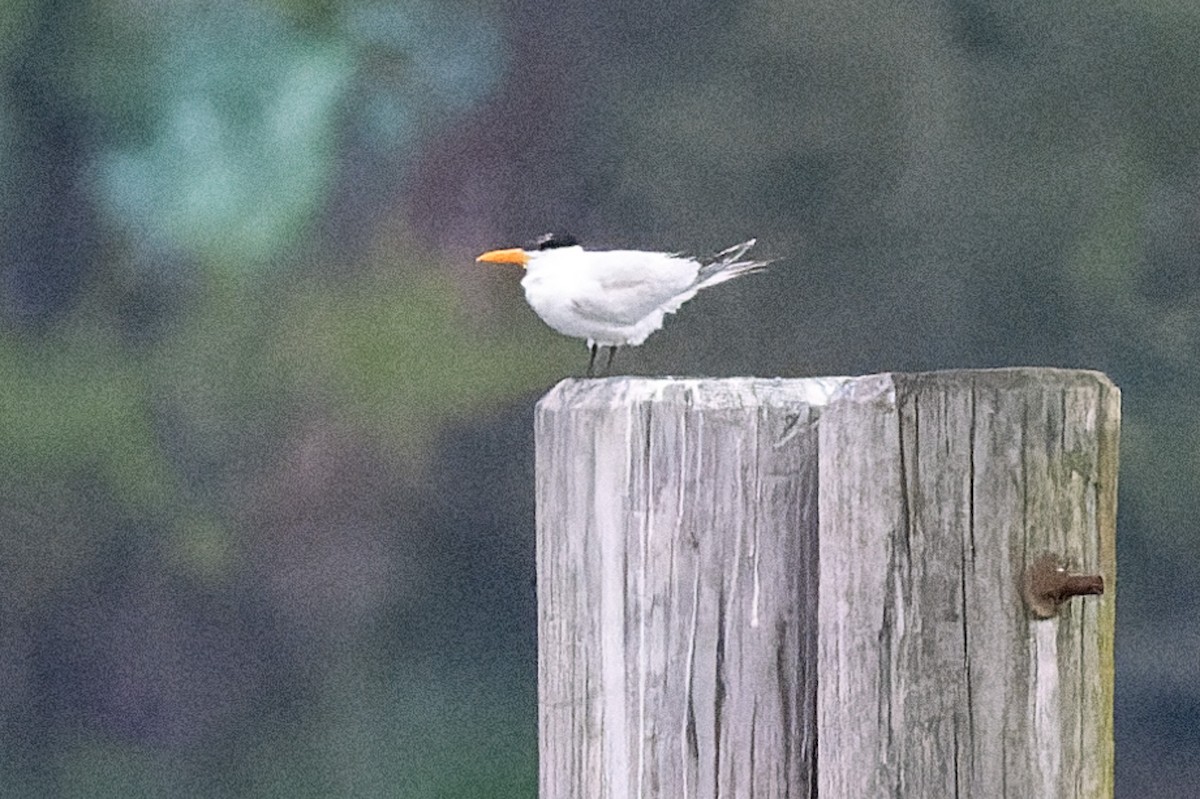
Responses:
[937,490]
[676,526]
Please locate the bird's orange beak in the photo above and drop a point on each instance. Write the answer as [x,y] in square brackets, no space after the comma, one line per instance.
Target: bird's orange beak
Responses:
[513,256]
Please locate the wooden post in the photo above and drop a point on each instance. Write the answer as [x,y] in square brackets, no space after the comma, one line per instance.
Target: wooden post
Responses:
[676,563]
[681,652]
[939,492]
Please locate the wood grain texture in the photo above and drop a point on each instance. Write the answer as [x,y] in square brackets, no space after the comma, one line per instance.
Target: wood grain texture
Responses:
[936,492]
[676,566]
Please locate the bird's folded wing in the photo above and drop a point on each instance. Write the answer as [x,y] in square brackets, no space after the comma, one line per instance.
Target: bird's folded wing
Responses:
[627,289]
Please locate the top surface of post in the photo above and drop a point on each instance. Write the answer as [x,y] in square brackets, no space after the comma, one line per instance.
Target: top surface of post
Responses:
[697,391]
[1008,377]
[734,391]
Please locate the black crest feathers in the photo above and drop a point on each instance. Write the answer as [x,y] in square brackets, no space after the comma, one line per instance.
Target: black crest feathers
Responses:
[551,241]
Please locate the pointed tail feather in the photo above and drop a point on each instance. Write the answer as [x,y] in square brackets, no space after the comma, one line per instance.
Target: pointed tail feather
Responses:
[735,252]
[726,265]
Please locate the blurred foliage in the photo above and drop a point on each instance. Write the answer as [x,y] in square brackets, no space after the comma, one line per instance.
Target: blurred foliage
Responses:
[75,405]
[400,358]
[265,427]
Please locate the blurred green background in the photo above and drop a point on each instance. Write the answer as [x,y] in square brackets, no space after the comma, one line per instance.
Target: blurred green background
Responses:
[265,428]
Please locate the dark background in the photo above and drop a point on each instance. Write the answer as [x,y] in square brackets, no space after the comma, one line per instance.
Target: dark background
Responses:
[265,451]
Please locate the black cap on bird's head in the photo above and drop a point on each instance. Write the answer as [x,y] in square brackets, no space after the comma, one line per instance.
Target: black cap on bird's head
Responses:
[552,241]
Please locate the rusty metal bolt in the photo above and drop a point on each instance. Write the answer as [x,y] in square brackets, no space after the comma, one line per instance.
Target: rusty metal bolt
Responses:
[1048,584]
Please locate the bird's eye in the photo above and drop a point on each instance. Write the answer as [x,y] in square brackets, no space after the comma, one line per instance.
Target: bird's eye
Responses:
[551,241]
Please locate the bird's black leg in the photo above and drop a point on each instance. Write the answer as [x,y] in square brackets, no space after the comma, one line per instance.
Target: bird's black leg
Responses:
[612,353]
[591,372]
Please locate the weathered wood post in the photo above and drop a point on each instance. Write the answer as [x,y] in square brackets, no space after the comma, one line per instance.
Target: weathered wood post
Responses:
[939,494]
[676,564]
[682,652]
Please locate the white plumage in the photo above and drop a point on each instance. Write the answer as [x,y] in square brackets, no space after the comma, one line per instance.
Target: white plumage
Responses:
[615,298]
